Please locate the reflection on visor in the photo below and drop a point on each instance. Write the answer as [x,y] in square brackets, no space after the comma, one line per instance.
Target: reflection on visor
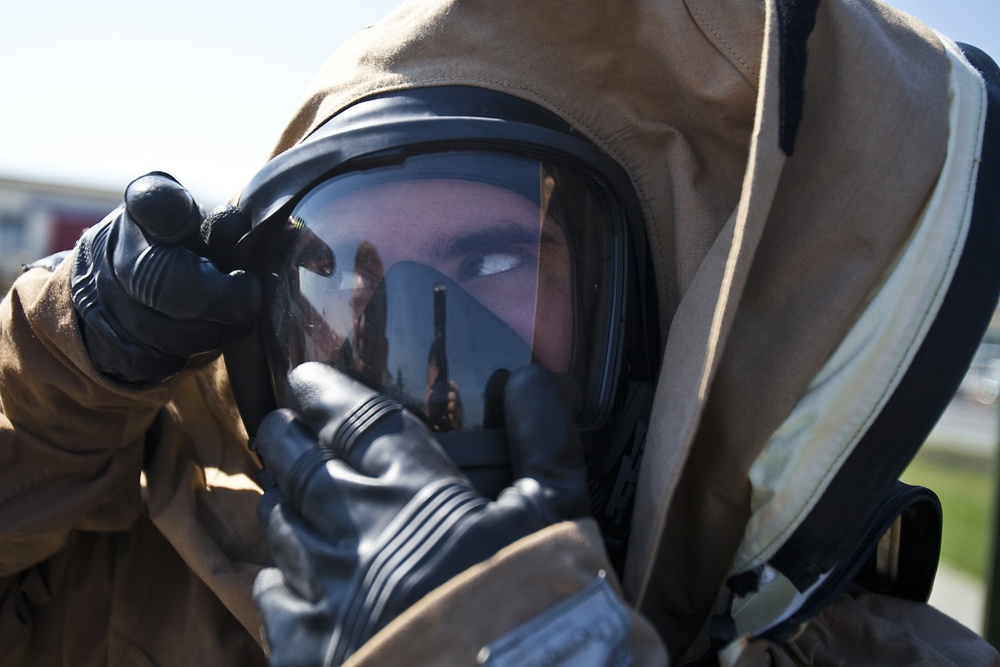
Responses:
[430,279]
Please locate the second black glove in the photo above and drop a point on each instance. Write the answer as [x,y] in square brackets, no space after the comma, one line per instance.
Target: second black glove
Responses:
[372,515]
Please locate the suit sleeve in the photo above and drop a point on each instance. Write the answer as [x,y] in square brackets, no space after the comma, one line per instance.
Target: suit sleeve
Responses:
[71,442]
[550,598]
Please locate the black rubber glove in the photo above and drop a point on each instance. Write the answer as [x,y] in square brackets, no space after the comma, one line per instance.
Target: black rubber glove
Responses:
[149,298]
[370,514]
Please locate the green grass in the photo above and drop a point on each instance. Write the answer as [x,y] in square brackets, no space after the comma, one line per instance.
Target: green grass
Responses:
[966,488]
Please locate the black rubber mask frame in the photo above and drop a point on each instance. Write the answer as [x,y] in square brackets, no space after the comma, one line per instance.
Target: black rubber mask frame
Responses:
[386,131]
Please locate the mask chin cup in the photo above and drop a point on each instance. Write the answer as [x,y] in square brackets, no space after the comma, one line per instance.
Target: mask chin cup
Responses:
[482,456]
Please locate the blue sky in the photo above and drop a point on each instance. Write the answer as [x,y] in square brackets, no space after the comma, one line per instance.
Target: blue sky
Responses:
[98,92]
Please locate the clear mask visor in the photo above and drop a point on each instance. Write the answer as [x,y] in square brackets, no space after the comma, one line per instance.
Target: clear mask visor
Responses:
[431,279]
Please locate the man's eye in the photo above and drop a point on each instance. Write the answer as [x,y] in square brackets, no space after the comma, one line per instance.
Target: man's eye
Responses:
[493,263]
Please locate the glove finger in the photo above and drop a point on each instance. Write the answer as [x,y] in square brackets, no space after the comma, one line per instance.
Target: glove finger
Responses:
[297,633]
[178,283]
[162,207]
[314,563]
[290,453]
[544,442]
[160,212]
[219,233]
[133,323]
[320,490]
[350,418]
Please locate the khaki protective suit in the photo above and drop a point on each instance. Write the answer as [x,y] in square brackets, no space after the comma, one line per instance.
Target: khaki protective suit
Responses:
[127,527]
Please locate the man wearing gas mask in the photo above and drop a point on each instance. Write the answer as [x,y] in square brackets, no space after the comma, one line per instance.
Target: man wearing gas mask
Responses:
[442,321]
[465,300]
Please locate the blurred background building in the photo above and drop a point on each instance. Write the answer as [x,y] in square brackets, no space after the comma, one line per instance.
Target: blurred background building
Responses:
[40,218]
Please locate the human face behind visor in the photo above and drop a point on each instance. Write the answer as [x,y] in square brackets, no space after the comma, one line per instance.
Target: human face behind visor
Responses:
[432,277]
[496,244]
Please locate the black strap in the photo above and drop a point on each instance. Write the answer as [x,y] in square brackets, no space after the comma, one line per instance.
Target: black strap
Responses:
[904,562]
[796,19]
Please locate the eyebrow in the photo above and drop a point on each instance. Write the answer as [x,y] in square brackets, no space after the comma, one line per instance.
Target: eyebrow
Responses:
[491,235]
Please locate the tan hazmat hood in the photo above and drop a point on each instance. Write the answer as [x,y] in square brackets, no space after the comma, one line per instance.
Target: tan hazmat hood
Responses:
[787,218]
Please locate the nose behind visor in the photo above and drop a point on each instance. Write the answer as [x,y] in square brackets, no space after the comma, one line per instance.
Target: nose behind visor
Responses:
[419,338]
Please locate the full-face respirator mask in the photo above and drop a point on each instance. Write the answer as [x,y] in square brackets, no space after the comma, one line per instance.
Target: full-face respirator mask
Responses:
[429,242]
